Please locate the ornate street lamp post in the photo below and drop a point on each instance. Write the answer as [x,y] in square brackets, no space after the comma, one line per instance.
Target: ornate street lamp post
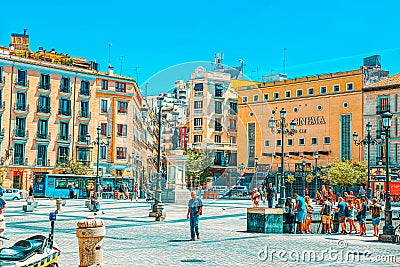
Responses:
[255,171]
[303,168]
[281,129]
[368,140]
[388,229]
[316,155]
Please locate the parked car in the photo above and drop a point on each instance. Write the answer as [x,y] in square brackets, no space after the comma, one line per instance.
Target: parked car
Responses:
[12,194]
[220,189]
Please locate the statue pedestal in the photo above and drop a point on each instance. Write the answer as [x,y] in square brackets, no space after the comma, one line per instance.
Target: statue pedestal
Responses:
[263,220]
[175,191]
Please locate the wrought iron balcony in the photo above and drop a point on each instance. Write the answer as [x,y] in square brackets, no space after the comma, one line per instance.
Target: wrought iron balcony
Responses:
[42,162]
[44,86]
[84,92]
[43,109]
[82,139]
[382,108]
[20,161]
[84,162]
[21,107]
[22,83]
[64,112]
[65,89]
[84,114]
[2,81]
[20,133]
[2,105]
[64,137]
[43,136]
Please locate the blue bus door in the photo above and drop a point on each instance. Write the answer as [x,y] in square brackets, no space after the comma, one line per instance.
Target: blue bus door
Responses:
[51,186]
[39,185]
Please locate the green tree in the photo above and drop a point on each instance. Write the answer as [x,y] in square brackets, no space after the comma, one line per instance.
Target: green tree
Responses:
[198,165]
[71,166]
[290,179]
[346,173]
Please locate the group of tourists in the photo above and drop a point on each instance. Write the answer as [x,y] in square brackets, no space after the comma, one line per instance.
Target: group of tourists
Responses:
[263,193]
[349,209]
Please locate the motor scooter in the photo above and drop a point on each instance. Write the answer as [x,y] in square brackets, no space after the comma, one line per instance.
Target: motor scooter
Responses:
[35,251]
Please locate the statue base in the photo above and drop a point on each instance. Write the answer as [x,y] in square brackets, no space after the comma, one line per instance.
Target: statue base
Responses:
[175,195]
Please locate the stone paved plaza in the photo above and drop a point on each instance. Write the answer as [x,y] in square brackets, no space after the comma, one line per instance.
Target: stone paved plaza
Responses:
[134,239]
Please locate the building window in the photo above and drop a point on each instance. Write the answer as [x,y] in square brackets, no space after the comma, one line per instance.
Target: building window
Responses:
[1,75]
[255,98]
[251,144]
[83,131]
[322,90]
[327,140]
[217,139]
[276,95]
[120,87]
[122,107]
[345,136]
[310,91]
[233,139]
[319,107]
[314,141]
[85,88]
[266,143]
[219,90]
[84,155]
[85,111]
[103,152]
[295,109]
[349,86]
[103,106]
[299,92]
[302,142]
[232,108]
[64,85]
[42,130]
[218,125]
[218,107]
[122,130]
[19,154]
[104,84]
[198,138]
[198,122]
[64,130]
[198,104]
[266,97]
[383,104]
[290,142]
[345,105]
[336,88]
[103,127]
[244,99]
[232,125]
[44,104]
[288,94]
[41,159]
[63,154]
[65,107]
[121,152]
[44,81]
[21,102]
[278,142]
[22,78]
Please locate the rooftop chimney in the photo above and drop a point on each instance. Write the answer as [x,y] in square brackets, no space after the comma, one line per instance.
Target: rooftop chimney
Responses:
[110,70]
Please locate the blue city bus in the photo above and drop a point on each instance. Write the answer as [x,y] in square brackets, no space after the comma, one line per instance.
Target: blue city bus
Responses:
[57,185]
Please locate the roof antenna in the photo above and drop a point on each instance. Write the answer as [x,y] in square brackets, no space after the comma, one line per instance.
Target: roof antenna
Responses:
[136,70]
[109,54]
[284,60]
[121,61]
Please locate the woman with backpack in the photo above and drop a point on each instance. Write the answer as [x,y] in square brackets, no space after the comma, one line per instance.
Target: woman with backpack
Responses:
[289,209]
[352,216]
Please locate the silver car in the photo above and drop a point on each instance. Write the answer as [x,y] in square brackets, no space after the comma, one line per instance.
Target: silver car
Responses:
[12,194]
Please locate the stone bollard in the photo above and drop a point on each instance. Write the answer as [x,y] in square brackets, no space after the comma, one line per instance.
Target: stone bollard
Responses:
[90,233]
[2,228]
[59,204]
[160,212]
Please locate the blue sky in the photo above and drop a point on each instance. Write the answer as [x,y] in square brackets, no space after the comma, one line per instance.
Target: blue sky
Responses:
[319,36]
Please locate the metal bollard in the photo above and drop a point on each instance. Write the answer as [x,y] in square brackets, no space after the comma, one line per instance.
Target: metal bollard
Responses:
[2,228]
[160,212]
[59,204]
[90,233]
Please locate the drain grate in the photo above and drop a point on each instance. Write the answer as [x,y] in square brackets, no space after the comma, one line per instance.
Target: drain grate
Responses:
[193,260]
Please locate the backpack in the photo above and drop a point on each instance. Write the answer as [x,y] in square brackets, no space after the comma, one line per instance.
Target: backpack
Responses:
[346,211]
[327,209]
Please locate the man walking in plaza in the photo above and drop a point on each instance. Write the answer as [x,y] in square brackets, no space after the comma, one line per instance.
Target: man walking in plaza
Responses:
[342,208]
[195,208]
[300,208]
[270,195]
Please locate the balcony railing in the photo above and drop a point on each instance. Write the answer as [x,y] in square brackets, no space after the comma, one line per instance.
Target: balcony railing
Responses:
[198,128]
[64,137]
[84,114]
[42,162]
[84,162]
[2,80]
[82,139]
[2,105]
[198,112]
[21,107]
[232,129]
[43,109]
[232,112]
[218,128]
[65,89]
[218,93]
[85,92]
[20,161]
[64,112]
[44,86]
[44,136]
[22,83]
[382,108]
[2,133]
[198,94]
[20,133]
[381,161]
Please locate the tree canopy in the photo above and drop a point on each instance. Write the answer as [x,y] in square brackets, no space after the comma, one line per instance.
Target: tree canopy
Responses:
[71,166]
[346,173]
[198,165]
